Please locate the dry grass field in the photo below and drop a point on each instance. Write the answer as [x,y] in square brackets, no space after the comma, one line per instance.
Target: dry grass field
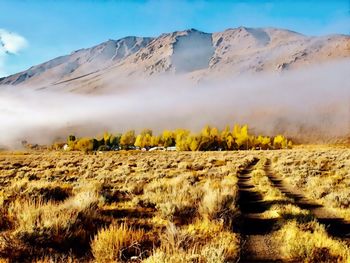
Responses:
[133,206]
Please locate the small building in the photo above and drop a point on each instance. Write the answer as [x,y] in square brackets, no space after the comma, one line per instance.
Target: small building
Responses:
[157,149]
[172,148]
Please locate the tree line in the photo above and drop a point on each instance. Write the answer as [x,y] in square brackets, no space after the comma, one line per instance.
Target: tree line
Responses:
[208,139]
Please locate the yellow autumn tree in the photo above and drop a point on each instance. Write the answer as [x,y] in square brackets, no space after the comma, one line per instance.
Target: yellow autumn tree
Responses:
[263,142]
[144,132]
[193,142]
[242,137]
[147,140]
[209,138]
[168,138]
[280,142]
[144,140]
[227,140]
[156,141]
[215,138]
[204,139]
[106,137]
[85,144]
[139,141]
[128,139]
[236,130]
[110,140]
[181,139]
[71,141]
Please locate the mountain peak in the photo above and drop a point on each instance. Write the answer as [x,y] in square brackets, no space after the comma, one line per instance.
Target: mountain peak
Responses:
[192,52]
[191,30]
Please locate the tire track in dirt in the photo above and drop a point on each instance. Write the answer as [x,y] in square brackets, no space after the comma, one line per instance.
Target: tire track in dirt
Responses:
[335,226]
[256,231]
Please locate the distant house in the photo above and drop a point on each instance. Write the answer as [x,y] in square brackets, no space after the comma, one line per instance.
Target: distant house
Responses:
[157,149]
[172,148]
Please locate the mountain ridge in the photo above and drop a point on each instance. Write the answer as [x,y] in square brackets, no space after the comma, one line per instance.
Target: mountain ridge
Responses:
[193,53]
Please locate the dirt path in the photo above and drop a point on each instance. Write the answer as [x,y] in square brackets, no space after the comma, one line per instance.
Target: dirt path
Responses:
[336,226]
[258,244]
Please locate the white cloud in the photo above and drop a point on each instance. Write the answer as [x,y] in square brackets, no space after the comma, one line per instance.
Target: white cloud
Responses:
[10,43]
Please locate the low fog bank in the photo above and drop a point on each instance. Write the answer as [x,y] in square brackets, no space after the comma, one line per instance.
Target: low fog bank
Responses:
[311,105]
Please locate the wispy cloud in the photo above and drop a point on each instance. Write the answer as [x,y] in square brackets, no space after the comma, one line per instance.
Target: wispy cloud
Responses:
[10,44]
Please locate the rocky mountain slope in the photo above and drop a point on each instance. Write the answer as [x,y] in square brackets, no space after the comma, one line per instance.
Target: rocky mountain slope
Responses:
[79,63]
[194,54]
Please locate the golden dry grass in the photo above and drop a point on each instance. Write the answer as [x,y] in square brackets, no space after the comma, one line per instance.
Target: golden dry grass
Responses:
[59,206]
[115,243]
[302,237]
[323,174]
[157,206]
[309,242]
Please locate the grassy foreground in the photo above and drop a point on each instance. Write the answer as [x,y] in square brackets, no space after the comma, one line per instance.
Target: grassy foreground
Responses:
[133,206]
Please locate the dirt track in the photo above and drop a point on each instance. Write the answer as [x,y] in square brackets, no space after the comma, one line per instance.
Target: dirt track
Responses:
[258,244]
[336,226]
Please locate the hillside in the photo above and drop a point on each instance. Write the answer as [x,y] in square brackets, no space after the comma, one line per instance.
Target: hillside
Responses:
[192,53]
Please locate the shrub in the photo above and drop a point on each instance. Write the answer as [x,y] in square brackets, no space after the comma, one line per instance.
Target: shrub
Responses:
[219,200]
[310,242]
[58,226]
[46,191]
[177,197]
[204,241]
[85,144]
[114,243]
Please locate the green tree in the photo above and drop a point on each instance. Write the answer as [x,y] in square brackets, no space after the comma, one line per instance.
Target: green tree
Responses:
[71,138]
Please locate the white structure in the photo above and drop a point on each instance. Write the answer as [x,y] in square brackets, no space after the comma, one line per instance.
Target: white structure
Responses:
[157,149]
[172,148]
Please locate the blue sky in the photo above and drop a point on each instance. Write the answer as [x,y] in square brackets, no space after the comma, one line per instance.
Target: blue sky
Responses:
[53,28]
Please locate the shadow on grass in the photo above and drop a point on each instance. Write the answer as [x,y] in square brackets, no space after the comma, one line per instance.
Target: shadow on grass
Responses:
[335,226]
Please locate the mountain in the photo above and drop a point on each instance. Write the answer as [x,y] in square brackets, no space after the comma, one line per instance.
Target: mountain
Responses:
[191,53]
[79,63]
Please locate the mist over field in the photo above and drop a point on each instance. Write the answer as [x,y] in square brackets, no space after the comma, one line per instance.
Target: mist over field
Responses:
[174,131]
[308,104]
